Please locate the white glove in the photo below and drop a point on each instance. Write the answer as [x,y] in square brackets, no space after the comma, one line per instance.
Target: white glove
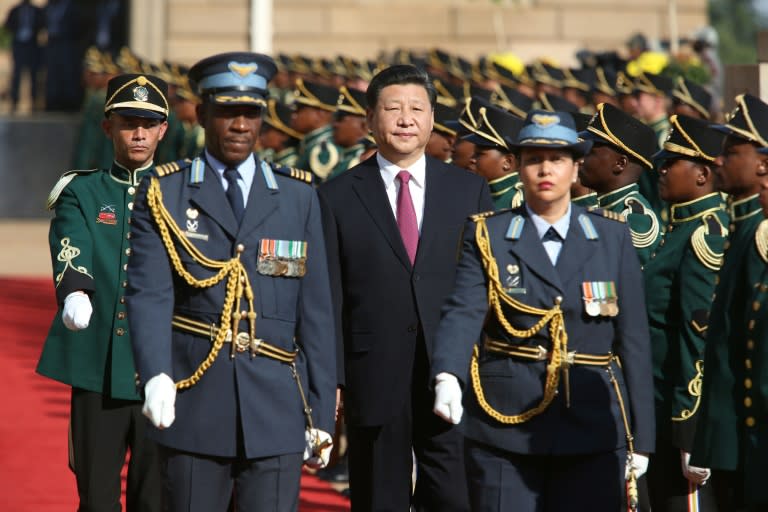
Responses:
[448,398]
[77,311]
[639,463]
[160,397]
[317,450]
[693,474]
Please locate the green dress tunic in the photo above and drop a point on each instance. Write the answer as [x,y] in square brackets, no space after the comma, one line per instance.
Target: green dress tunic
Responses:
[679,282]
[348,158]
[642,220]
[318,153]
[507,191]
[89,240]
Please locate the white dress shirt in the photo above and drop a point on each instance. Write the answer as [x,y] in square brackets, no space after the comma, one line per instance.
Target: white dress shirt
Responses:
[417,185]
[246,170]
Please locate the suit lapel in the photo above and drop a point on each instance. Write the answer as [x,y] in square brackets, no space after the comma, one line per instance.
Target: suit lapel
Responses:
[576,250]
[370,189]
[436,208]
[529,249]
[262,201]
[209,197]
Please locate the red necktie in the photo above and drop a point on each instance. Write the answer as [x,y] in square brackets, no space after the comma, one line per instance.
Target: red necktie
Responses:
[406,216]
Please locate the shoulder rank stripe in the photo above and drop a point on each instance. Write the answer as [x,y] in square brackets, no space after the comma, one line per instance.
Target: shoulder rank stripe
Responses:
[60,185]
[269,176]
[482,215]
[294,173]
[197,171]
[608,214]
[166,169]
[589,229]
[515,227]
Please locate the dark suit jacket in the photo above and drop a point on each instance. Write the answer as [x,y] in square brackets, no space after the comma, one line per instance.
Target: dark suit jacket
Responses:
[593,423]
[385,305]
[259,393]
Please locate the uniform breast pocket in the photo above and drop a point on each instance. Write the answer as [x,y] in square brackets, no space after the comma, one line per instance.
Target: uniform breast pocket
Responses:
[279,297]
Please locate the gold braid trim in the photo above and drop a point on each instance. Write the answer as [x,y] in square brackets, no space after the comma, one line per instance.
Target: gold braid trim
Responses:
[238,283]
[553,317]
[67,255]
[519,198]
[639,239]
[761,240]
[709,258]
[694,389]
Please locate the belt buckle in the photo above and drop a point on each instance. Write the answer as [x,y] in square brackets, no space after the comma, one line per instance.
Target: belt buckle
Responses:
[541,353]
[242,341]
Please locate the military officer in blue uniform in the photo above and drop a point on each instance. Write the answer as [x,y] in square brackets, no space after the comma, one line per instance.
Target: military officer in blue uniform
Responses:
[545,337]
[230,309]
[88,345]
[733,411]
[679,283]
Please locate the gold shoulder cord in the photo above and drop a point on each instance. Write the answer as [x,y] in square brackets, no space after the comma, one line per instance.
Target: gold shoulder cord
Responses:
[761,240]
[694,389]
[554,317]
[709,258]
[642,240]
[518,198]
[233,269]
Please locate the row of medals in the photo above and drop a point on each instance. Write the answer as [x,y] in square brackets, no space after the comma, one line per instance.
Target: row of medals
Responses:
[280,267]
[601,307]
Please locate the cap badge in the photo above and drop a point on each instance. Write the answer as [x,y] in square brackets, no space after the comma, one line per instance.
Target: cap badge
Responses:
[140,93]
[544,120]
[242,69]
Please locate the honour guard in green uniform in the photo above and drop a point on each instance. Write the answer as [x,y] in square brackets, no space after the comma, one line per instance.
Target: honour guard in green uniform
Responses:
[443,136]
[349,128]
[542,355]
[89,343]
[733,408]
[315,104]
[185,107]
[622,151]
[691,99]
[495,158]
[279,142]
[679,282]
[463,149]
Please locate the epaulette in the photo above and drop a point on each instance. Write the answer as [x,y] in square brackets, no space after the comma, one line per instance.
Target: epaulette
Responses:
[484,215]
[292,172]
[608,214]
[60,185]
[635,206]
[714,226]
[761,240]
[172,167]
[708,257]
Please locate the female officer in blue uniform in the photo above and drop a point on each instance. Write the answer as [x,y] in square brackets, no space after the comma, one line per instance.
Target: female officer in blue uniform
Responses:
[547,327]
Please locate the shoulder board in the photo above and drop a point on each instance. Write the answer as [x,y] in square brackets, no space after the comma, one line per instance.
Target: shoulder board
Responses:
[484,215]
[635,206]
[607,214]
[292,172]
[172,167]
[60,185]
[714,226]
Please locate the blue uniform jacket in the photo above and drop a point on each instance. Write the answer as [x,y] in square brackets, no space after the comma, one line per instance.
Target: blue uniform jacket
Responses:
[593,423]
[255,394]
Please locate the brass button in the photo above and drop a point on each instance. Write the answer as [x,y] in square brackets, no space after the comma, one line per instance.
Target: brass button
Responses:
[727,244]
[131,190]
[558,300]
[751,325]
[119,331]
[747,402]
[764,287]
[125,267]
[128,235]
[717,279]
[130,206]
[121,315]
[240,248]
[756,306]
[128,251]
[122,300]
[748,383]
[748,364]
[129,220]
[125,284]
[750,421]
[750,344]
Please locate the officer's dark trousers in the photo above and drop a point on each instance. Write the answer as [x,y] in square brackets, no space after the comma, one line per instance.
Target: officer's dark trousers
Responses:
[103,430]
[381,461]
[199,483]
[501,481]
[669,490]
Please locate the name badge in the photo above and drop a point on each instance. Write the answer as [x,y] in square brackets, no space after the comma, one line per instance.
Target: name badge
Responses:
[600,298]
[282,258]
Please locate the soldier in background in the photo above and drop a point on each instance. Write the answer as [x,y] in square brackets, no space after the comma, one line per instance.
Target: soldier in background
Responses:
[623,150]
[349,128]
[679,283]
[89,346]
[278,141]
[315,105]
[443,137]
[733,407]
[691,99]
[185,106]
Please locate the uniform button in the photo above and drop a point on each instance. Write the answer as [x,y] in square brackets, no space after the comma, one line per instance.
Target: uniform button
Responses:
[748,364]
[748,383]
[125,284]
[130,206]
[750,421]
[726,245]
[122,300]
[661,243]
[747,402]
[756,306]
[128,235]
[558,300]
[240,248]
[128,251]
[129,220]
[751,325]
[764,287]
[125,267]
[750,344]
[119,331]
[412,328]
[717,280]
[121,315]
[416,277]
[731,227]
[131,190]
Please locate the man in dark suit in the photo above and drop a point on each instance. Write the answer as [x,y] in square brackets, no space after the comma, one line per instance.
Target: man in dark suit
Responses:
[24,22]
[548,298]
[229,303]
[392,226]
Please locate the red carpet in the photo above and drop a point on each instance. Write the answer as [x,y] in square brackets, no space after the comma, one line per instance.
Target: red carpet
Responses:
[35,413]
